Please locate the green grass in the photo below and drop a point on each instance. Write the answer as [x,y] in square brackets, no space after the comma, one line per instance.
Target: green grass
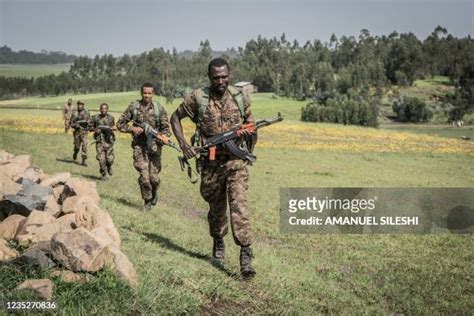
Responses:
[32,70]
[304,274]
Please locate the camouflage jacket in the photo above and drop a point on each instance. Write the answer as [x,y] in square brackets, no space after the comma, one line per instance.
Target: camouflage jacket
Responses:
[220,116]
[105,135]
[67,111]
[145,114]
[81,121]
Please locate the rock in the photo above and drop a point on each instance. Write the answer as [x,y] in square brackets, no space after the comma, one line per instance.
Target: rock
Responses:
[93,217]
[35,257]
[41,287]
[29,197]
[67,222]
[37,227]
[5,156]
[80,187]
[80,250]
[76,203]
[6,252]
[57,191]
[32,173]
[56,179]
[66,276]
[31,188]
[122,267]
[15,166]
[8,186]
[44,246]
[10,226]
[52,207]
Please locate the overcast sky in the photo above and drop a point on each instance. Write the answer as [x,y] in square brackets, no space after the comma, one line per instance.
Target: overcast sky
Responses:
[117,27]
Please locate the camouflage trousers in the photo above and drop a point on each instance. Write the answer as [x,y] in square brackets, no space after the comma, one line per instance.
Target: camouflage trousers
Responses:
[225,181]
[148,164]
[80,142]
[105,156]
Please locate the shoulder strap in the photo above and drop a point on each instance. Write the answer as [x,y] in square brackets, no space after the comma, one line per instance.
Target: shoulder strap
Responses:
[135,110]
[202,100]
[237,96]
[157,109]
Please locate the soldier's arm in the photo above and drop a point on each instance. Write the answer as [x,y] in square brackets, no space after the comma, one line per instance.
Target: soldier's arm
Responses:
[164,124]
[186,109]
[125,118]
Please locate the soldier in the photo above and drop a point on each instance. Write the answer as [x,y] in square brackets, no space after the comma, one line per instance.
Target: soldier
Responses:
[103,125]
[146,150]
[80,121]
[214,110]
[67,113]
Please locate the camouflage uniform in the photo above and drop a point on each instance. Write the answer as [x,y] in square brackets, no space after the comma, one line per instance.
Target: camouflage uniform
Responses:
[104,142]
[226,178]
[147,161]
[67,114]
[80,134]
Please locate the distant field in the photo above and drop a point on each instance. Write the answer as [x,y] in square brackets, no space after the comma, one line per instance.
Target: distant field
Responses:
[26,70]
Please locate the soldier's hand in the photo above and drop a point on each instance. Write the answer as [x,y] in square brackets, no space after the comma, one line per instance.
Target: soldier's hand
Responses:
[188,151]
[137,130]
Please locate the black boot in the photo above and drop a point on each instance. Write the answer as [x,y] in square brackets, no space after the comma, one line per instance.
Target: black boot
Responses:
[246,269]
[154,198]
[109,169]
[147,206]
[218,250]
[84,162]
[74,155]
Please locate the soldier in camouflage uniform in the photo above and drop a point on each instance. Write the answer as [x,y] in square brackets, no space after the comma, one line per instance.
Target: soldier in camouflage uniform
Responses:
[67,113]
[146,151]
[80,122]
[214,110]
[103,125]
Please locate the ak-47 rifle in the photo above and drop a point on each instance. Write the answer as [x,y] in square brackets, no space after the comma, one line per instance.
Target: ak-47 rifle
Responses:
[105,133]
[152,133]
[81,124]
[227,140]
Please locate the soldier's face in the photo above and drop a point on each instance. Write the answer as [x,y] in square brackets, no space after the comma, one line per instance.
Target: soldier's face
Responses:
[147,94]
[104,109]
[219,77]
[80,107]
[69,101]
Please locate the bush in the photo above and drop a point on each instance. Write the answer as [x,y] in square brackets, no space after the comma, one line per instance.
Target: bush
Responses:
[412,110]
[341,109]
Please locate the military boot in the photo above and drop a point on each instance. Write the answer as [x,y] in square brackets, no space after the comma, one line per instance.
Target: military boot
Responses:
[154,198]
[84,162]
[109,169]
[218,250]
[74,155]
[246,269]
[147,206]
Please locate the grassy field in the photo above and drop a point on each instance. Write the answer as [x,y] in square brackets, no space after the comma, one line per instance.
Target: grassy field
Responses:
[170,246]
[33,70]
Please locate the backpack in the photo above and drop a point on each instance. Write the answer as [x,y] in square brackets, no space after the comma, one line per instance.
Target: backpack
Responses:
[202,100]
[156,107]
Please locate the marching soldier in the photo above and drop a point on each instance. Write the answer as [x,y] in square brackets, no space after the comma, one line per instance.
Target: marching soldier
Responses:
[80,122]
[103,125]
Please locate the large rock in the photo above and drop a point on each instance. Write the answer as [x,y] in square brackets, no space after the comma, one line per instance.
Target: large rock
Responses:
[76,186]
[57,191]
[32,173]
[67,222]
[35,257]
[52,207]
[122,267]
[66,276]
[56,179]
[8,186]
[93,217]
[29,197]
[15,166]
[80,250]
[10,226]
[37,227]
[6,252]
[5,156]
[77,203]
[41,287]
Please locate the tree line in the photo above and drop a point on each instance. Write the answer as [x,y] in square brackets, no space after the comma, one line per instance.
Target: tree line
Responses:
[8,56]
[347,66]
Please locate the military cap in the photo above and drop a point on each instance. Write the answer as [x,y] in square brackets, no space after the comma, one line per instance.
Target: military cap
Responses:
[80,102]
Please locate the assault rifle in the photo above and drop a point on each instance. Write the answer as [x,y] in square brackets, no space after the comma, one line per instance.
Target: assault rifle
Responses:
[81,124]
[106,133]
[228,140]
[152,133]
